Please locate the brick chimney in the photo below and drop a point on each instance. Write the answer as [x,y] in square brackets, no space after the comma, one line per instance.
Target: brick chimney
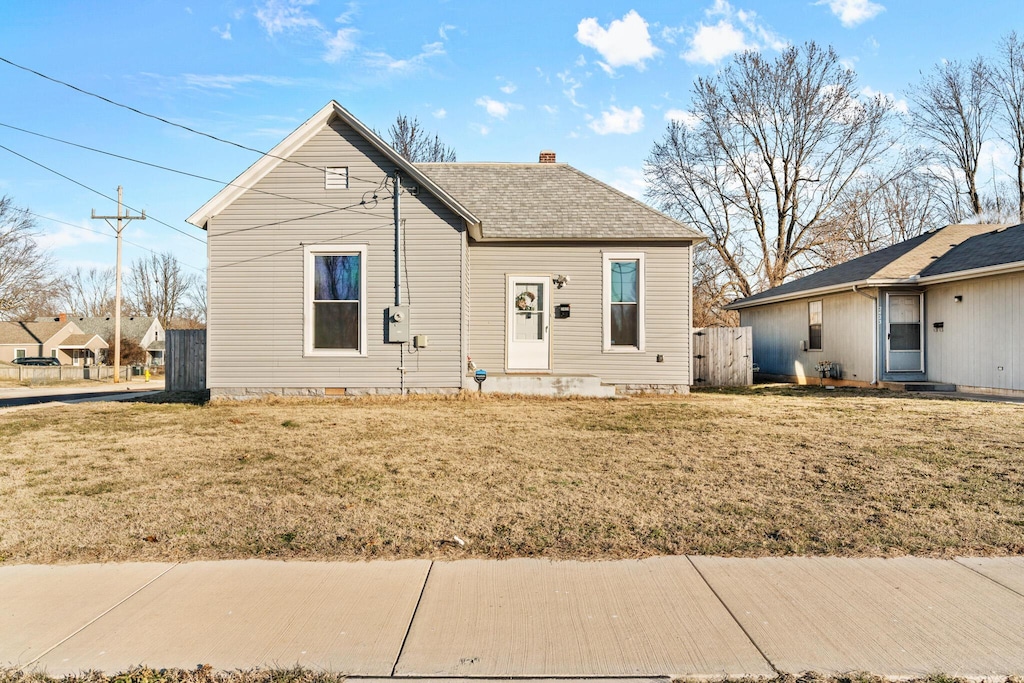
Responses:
[547,157]
[63,318]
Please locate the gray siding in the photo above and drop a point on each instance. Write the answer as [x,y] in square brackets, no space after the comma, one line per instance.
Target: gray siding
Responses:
[577,341]
[255,307]
[980,335]
[846,335]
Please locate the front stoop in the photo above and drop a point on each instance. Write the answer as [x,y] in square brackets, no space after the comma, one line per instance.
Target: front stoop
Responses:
[919,386]
[548,385]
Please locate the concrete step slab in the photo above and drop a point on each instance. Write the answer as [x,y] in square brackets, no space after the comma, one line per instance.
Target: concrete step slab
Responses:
[903,617]
[536,618]
[1007,571]
[343,617]
[42,605]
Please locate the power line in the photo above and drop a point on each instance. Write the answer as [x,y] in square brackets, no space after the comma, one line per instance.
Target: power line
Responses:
[160,118]
[107,234]
[166,168]
[94,190]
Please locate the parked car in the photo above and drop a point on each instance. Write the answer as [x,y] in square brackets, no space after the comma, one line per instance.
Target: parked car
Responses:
[36,360]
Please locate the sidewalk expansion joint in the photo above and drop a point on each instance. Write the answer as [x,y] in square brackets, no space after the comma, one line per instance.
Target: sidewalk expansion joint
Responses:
[995,581]
[415,611]
[738,623]
[102,614]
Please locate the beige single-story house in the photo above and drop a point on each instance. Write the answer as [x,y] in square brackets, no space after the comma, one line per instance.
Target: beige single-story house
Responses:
[146,331]
[945,308]
[336,266]
[58,338]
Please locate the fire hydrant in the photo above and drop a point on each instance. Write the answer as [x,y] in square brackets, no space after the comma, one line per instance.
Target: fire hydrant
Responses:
[147,374]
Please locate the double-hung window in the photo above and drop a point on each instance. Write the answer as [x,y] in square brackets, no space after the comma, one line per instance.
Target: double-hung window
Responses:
[335,315]
[814,326]
[624,302]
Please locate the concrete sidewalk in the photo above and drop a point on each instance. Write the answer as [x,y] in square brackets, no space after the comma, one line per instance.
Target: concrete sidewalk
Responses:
[699,617]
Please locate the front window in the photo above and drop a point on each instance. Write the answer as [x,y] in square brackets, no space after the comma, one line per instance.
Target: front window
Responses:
[814,326]
[624,302]
[335,295]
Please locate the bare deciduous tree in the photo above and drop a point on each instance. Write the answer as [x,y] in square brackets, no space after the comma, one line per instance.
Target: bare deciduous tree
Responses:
[414,143]
[26,270]
[711,291]
[89,292]
[1007,80]
[774,148]
[158,286]
[953,108]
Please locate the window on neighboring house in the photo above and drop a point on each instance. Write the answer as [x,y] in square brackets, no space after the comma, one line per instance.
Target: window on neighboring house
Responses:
[623,302]
[19,353]
[335,300]
[53,353]
[814,326]
[336,178]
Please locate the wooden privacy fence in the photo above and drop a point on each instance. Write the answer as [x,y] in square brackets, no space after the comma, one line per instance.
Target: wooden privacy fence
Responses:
[186,360]
[723,356]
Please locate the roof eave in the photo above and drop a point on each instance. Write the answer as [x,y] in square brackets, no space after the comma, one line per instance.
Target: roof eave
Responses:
[300,136]
[983,271]
[819,291]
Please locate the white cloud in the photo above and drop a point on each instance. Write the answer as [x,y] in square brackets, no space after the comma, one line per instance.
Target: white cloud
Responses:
[898,103]
[581,61]
[279,16]
[350,13]
[443,30]
[496,109]
[549,108]
[65,235]
[226,82]
[620,121]
[735,31]
[629,180]
[683,117]
[853,12]
[571,86]
[225,33]
[508,88]
[480,128]
[440,113]
[339,45]
[625,42]
[385,62]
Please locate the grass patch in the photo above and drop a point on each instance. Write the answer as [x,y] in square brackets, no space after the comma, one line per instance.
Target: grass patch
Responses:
[750,473]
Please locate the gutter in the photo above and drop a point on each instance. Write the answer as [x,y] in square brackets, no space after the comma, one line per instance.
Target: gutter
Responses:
[818,291]
[874,335]
[973,273]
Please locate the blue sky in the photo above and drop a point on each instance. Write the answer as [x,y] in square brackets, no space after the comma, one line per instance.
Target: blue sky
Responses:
[594,81]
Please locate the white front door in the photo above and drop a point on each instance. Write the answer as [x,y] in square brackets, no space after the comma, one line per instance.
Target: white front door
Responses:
[904,338]
[528,304]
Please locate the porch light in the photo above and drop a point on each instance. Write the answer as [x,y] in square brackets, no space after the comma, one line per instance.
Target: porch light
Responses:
[958,298]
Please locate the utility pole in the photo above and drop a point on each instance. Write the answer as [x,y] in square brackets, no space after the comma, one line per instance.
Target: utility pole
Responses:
[123,219]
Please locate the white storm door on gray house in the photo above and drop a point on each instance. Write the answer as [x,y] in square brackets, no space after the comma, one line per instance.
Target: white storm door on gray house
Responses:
[904,336]
[528,343]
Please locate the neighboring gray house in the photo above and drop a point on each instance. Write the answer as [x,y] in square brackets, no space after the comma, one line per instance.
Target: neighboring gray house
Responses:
[945,307]
[57,338]
[145,331]
[550,280]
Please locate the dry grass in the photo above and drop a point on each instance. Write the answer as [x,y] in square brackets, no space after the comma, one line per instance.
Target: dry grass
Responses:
[769,472]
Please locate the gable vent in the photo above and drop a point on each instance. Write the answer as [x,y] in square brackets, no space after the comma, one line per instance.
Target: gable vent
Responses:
[336,178]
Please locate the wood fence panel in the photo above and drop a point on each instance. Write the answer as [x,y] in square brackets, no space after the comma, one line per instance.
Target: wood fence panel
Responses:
[186,360]
[723,356]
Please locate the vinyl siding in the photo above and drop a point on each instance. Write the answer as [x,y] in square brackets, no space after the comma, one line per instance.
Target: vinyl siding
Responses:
[255,306]
[979,335]
[576,342]
[846,335]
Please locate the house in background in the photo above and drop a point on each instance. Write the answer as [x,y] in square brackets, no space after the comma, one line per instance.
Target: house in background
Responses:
[145,331]
[58,338]
[336,266]
[946,307]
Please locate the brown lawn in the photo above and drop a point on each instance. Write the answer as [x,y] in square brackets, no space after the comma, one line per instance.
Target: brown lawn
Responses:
[759,472]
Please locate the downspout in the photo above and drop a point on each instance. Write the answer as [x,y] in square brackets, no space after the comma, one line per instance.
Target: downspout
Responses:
[874,335]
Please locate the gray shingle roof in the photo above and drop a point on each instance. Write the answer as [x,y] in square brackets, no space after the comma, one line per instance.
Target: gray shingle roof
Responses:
[132,327]
[944,250]
[550,201]
[992,248]
[30,332]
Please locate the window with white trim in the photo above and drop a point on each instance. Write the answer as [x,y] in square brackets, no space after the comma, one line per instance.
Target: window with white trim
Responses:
[336,178]
[624,301]
[814,326]
[335,300]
